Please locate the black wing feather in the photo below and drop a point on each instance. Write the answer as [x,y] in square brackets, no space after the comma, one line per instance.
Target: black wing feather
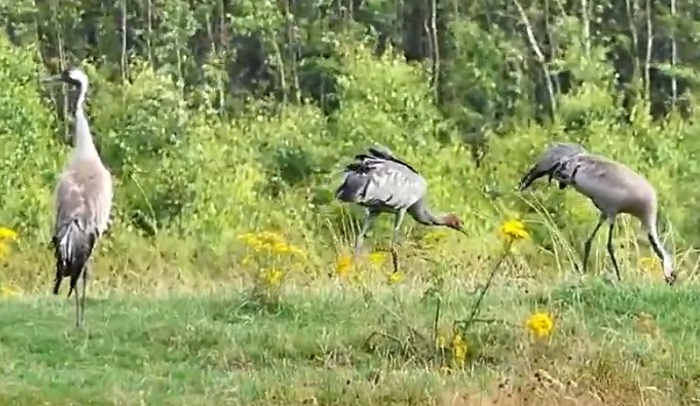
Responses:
[385,153]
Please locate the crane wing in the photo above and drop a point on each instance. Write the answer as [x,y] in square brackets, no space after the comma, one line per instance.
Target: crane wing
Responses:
[380,183]
[84,196]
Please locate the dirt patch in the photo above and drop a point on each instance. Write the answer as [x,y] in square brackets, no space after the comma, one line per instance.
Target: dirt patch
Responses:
[542,389]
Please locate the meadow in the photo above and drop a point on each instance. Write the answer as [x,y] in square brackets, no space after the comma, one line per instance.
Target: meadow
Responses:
[358,334]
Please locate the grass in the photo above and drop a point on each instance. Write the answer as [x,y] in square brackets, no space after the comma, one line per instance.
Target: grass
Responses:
[630,344]
[274,328]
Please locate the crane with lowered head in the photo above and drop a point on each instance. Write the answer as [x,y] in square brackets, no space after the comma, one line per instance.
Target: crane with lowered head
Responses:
[382,183]
[613,188]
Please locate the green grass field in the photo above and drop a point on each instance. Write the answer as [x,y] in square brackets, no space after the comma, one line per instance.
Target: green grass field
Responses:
[633,343]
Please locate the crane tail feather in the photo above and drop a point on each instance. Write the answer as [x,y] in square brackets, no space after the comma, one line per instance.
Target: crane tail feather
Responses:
[72,249]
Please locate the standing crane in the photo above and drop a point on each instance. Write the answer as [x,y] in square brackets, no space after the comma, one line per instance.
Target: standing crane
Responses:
[83,200]
[613,188]
[382,183]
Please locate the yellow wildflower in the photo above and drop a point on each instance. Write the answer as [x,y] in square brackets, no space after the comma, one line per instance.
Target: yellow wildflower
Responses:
[459,349]
[514,230]
[540,324]
[270,239]
[263,239]
[272,277]
[8,292]
[395,277]
[270,242]
[280,247]
[7,234]
[378,258]
[343,265]
[251,240]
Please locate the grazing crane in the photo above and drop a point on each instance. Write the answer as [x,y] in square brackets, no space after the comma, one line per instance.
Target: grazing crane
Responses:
[83,201]
[613,188]
[380,182]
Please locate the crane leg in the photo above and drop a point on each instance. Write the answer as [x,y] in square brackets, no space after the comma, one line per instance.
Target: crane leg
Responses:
[395,236]
[82,299]
[367,222]
[611,251]
[589,241]
[77,309]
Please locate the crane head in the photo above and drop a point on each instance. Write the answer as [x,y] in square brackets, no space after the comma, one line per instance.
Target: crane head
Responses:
[72,76]
[549,162]
[452,221]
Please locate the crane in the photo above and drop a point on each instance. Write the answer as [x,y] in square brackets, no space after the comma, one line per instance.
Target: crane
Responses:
[613,188]
[382,183]
[83,200]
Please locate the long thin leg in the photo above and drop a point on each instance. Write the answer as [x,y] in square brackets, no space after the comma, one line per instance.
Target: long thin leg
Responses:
[589,241]
[367,222]
[82,299]
[77,308]
[397,226]
[611,251]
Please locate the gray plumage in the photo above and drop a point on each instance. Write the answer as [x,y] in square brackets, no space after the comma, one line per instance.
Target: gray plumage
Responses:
[382,183]
[83,201]
[548,161]
[613,188]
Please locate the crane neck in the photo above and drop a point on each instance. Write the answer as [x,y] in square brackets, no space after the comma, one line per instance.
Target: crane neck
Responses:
[422,214]
[84,145]
[653,235]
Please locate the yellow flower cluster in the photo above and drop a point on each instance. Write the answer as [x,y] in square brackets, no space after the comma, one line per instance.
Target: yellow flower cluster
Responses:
[540,324]
[378,258]
[271,242]
[270,253]
[459,350]
[272,277]
[343,265]
[457,346]
[7,236]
